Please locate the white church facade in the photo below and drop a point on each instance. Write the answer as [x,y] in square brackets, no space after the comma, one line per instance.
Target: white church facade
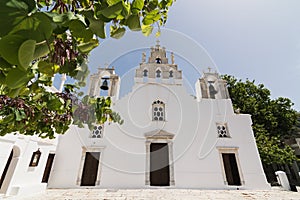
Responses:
[169,139]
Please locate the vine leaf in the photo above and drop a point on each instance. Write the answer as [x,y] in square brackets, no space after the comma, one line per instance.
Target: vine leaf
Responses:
[97,26]
[17,78]
[9,45]
[112,11]
[41,50]
[147,30]
[117,33]
[88,46]
[133,23]
[36,27]
[137,6]
[26,52]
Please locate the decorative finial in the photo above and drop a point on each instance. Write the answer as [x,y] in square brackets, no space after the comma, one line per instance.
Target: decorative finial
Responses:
[209,69]
[157,43]
[172,58]
[106,65]
[143,57]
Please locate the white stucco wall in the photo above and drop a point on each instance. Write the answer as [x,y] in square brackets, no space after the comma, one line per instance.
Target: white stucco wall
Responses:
[196,146]
[20,178]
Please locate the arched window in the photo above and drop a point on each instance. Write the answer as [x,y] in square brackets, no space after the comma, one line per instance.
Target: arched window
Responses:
[158,73]
[158,60]
[158,111]
[212,91]
[145,73]
[171,74]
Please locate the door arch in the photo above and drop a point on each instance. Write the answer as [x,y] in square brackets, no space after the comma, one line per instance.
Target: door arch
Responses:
[9,169]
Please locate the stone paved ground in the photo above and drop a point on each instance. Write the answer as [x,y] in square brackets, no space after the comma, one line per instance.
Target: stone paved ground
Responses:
[159,194]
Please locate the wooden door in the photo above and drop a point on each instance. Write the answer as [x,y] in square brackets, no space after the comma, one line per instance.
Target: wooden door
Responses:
[6,168]
[90,169]
[231,169]
[48,168]
[159,164]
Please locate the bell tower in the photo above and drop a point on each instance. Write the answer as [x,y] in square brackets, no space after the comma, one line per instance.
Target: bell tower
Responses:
[157,68]
[211,86]
[104,79]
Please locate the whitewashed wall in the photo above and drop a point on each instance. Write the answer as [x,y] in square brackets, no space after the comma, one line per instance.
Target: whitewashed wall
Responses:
[197,162]
[24,180]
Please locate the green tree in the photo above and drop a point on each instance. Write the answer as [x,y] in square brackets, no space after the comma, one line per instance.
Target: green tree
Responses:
[295,132]
[42,38]
[273,119]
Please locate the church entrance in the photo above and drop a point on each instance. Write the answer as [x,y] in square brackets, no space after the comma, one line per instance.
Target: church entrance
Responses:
[48,168]
[90,169]
[159,164]
[231,169]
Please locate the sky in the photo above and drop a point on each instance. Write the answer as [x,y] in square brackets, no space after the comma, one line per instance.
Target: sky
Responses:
[254,39]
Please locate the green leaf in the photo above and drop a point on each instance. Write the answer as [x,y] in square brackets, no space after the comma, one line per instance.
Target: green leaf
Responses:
[36,27]
[2,78]
[117,33]
[63,18]
[126,9]
[48,68]
[9,118]
[88,46]
[14,92]
[41,50]
[25,53]
[4,64]
[25,91]
[9,46]
[147,30]
[137,5]
[78,29]
[12,12]
[113,11]
[133,22]
[54,103]
[20,114]
[98,27]
[151,17]
[46,79]
[31,4]
[17,78]
[85,3]
[112,2]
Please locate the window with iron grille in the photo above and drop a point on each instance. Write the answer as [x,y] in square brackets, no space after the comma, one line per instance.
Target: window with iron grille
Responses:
[222,130]
[97,132]
[158,111]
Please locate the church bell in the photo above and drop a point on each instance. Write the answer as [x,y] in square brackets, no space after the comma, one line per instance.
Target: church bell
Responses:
[104,85]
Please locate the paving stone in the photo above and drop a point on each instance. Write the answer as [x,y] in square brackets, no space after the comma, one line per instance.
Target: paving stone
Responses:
[158,194]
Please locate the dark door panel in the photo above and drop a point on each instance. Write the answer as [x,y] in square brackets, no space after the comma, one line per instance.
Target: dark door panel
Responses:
[159,164]
[231,169]
[90,169]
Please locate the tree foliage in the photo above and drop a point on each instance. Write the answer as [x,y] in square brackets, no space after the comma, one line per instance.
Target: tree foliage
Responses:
[42,38]
[295,132]
[273,119]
